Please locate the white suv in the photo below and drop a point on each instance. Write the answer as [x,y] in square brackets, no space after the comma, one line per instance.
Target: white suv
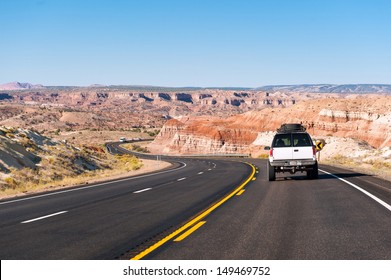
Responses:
[292,150]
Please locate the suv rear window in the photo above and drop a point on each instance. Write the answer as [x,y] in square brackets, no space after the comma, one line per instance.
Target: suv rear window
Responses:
[301,140]
[286,140]
[282,140]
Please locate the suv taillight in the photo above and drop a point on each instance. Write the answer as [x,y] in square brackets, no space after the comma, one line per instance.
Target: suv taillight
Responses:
[313,150]
[271,152]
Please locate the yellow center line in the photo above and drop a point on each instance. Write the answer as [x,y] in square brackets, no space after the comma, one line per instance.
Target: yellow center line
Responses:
[241,191]
[190,231]
[195,220]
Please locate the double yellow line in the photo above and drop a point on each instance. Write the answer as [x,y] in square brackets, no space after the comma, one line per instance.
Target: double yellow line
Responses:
[196,219]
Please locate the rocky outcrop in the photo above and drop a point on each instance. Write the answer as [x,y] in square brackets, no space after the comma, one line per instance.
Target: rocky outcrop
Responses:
[345,116]
[202,136]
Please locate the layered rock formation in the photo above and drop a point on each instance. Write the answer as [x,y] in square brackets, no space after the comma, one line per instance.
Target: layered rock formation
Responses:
[364,118]
[202,136]
[174,103]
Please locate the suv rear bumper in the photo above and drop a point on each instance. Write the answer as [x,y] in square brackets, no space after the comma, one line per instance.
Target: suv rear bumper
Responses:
[299,163]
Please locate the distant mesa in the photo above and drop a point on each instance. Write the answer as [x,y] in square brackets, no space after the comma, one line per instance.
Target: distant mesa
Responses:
[329,88]
[97,86]
[19,86]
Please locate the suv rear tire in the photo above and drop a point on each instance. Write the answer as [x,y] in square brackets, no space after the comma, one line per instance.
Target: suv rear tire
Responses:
[313,173]
[271,172]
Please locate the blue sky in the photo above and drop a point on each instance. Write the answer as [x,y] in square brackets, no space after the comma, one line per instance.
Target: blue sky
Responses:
[195,42]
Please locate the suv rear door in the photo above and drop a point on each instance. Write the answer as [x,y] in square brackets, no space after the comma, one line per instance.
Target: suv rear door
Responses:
[302,146]
[288,146]
[282,147]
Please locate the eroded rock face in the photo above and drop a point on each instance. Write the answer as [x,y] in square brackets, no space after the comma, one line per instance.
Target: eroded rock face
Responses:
[345,116]
[362,118]
[202,135]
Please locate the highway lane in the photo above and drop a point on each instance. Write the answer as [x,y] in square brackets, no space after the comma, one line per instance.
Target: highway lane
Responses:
[294,218]
[104,221]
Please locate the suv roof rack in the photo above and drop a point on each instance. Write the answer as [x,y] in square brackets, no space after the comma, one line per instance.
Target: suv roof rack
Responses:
[291,127]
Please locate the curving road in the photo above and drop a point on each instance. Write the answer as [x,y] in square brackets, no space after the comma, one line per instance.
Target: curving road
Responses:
[204,209]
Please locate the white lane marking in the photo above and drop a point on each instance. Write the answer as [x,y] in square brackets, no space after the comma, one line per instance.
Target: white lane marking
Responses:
[199,173]
[143,190]
[378,200]
[93,186]
[214,165]
[209,169]
[44,217]
[181,179]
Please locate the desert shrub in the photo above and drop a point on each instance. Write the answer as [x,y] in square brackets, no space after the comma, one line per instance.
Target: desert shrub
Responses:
[27,143]
[379,164]
[342,159]
[129,162]
[11,182]
[139,149]
[153,133]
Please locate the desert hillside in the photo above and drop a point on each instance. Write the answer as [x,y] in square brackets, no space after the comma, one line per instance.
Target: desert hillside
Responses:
[30,161]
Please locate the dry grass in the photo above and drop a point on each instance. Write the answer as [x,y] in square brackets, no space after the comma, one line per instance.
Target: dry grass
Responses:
[378,164]
[341,160]
[376,167]
[140,148]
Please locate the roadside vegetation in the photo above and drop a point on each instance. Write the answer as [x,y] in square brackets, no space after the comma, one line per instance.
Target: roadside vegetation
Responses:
[136,148]
[365,164]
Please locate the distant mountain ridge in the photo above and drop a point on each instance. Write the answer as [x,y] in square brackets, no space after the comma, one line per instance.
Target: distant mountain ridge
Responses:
[330,88]
[302,88]
[19,86]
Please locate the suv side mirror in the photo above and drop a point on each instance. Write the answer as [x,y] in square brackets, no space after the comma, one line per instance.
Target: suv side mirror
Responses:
[267,148]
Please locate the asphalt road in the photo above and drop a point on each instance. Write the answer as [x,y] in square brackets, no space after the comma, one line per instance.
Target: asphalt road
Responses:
[198,210]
